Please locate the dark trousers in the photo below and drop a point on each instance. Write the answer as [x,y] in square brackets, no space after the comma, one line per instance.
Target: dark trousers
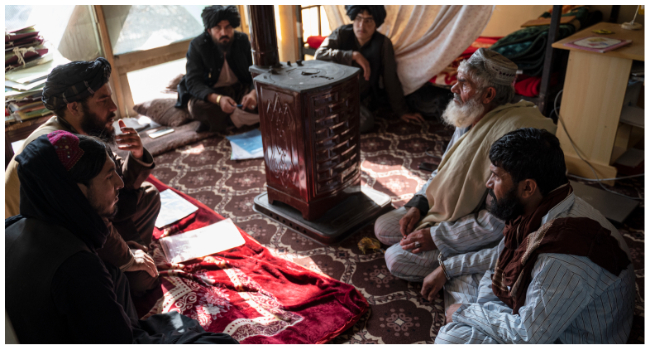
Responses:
[210,115]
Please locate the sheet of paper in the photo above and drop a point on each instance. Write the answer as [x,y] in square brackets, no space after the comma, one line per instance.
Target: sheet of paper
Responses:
[207,240]
[173,208]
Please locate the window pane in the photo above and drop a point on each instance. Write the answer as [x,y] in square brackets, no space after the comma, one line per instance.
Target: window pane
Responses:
[324,23]
[143,27]
[149,83]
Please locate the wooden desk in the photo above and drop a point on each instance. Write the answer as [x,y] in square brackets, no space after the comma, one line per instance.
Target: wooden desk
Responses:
[592,100]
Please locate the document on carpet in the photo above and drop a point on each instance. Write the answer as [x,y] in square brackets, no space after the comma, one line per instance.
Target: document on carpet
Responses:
[251,294]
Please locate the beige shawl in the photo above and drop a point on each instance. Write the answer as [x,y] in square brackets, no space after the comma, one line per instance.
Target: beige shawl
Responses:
[459,186]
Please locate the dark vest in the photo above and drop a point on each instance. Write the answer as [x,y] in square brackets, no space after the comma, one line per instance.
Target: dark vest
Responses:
[371,51]
[34,250]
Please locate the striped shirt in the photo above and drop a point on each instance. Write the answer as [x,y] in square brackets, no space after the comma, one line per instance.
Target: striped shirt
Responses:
[570,299]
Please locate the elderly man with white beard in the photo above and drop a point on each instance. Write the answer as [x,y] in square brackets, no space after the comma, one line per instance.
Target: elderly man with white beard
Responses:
[448,215]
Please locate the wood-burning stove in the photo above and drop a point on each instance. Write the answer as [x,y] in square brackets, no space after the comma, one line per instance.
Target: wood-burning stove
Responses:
[309,119]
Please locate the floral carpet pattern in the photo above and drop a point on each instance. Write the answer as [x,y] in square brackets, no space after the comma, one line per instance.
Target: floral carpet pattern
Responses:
[390,156]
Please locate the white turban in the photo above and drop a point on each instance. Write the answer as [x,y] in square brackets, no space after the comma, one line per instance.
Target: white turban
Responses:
[501,69]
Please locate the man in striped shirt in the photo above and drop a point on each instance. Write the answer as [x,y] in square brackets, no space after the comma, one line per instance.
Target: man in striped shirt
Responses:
[561,273]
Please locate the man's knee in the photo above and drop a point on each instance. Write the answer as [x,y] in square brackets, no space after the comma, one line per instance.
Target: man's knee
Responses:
[399,264]
[458,333]
[387,227]
[151,197]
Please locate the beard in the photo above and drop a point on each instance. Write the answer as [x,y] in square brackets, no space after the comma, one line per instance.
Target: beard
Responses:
[223,46]
[93,126]
[507,208]
[464,115]
[104,211]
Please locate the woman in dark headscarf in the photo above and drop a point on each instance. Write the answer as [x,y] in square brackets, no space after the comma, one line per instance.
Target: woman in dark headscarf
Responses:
[58,289]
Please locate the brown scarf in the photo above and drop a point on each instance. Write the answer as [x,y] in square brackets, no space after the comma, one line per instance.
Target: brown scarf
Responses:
[525,240]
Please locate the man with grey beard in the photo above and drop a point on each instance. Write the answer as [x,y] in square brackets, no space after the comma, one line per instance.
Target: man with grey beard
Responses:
[447,216]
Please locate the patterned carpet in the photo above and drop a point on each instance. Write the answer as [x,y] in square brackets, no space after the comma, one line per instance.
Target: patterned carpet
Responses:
[390,157]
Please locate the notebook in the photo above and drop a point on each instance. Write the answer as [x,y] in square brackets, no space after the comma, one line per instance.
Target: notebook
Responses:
[598,44]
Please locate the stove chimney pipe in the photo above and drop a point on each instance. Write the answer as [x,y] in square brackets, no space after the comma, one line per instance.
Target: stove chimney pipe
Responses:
[264,42]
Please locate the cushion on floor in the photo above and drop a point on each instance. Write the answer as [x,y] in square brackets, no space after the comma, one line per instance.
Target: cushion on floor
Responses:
[163,112]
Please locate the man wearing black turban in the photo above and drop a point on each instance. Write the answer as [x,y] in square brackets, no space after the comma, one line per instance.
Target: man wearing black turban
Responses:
[80,96]
[57,289]
[217,76]
[361,45]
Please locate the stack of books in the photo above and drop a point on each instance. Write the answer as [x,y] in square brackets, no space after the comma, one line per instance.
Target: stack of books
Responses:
[22,46]
[27,64]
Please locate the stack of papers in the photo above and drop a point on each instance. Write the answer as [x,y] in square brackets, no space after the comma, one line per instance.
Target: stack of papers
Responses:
[247,145]
[24,87]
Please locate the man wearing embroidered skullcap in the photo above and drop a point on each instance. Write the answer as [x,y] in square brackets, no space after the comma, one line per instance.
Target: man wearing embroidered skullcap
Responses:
[217,78]
[561,273]
[448,215]
[80,96]
[360,44]
[57,289]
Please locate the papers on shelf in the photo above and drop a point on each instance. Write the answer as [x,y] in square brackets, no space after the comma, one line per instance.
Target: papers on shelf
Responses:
[207,240]
[173,208]
[247,145]
[37,70]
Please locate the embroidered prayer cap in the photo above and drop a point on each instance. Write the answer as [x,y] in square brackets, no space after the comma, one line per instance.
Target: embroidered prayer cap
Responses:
[502,70]
[378,12]
[212,15]
[66,146]
[75,81]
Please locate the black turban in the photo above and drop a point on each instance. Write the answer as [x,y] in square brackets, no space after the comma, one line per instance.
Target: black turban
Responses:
[378,12]
[75,81]
[214,14]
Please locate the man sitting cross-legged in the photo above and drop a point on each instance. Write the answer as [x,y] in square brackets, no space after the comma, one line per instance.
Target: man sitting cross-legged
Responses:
[448,215]
[361,45]
[217,76]
[57,289]
[561,273]
[80,96]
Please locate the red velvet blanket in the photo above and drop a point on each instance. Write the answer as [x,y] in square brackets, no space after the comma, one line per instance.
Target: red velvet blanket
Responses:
[251,294]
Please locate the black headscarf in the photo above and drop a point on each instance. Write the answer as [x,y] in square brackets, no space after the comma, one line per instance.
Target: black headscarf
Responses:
[378,12]
[75,81]
[214,14]
[47,193]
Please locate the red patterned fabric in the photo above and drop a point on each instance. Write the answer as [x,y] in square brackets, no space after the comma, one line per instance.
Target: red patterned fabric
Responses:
[67,148]
[252,295]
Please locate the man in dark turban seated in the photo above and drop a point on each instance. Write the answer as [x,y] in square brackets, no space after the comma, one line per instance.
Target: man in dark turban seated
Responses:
[217,76]
[561,272]
[79,95]
[361,45]
[57,289]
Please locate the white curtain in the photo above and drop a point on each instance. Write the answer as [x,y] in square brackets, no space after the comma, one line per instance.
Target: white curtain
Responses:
[426,38]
